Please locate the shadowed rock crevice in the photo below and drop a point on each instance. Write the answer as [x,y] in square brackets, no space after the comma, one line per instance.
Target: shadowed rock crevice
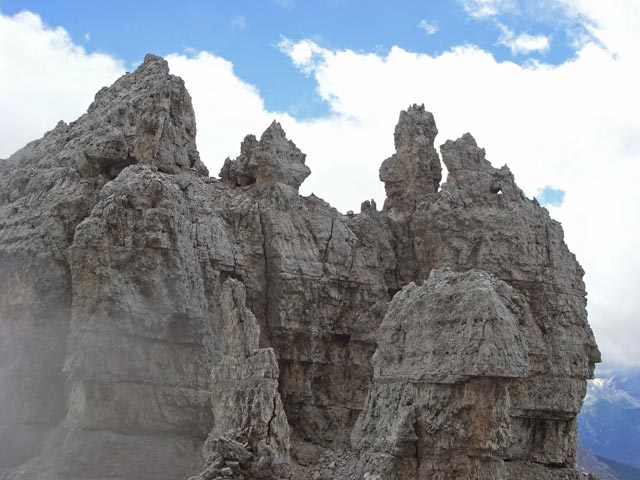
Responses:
[445,336]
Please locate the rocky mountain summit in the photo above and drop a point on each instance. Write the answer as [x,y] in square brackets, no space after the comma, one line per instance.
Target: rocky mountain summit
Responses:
[156,323]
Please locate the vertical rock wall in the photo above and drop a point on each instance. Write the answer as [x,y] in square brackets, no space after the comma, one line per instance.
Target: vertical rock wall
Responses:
[156,323]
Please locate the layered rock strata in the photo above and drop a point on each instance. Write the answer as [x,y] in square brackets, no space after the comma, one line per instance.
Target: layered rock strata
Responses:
[250,435]
[450,354]
[158,323]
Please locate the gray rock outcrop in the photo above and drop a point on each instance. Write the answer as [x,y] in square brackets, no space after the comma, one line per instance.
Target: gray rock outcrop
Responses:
[156,323]
[272,159]
[250,434]
[450,354]
[46,189]
[414,171]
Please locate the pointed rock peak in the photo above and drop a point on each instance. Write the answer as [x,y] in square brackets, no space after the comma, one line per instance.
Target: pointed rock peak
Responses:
[144,117]
[414,171]
[470,171]
[468,139]
[153,64]
[150,58]
[416,128]
[464,154]
[274,131]
[273,159]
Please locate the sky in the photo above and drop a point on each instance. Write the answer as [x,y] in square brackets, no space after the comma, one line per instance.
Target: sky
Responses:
[547,87]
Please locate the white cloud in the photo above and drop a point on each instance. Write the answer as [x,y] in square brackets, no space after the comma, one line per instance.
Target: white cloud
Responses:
[429,28]
[573,126]
[239,22]
[305,54]
[45,78]
[226,107]
[87,37]
[564,17]
[487,8]
[523,43]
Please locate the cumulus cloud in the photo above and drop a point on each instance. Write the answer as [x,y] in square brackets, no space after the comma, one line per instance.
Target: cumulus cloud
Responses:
[523,43]
[430,28]
[572,125]
[482,9]
[567,18]
[226,107]
[45,78]
[306,55]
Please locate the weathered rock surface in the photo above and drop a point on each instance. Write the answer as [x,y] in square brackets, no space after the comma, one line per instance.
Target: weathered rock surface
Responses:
[46,189]
[250,435]
[414,171]
[272,159]
[440,402]
[156,323]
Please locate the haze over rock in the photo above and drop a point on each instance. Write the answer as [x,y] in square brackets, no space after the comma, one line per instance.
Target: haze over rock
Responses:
[156,323]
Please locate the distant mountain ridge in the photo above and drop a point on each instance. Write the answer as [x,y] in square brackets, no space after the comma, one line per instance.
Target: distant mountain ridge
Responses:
[621,471]
[609,423]
[588,461]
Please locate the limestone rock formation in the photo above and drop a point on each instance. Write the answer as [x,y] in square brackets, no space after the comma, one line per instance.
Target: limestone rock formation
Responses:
[449,355]
[245,400]
[156,323]
[272,159]
[46,189]
[414,171]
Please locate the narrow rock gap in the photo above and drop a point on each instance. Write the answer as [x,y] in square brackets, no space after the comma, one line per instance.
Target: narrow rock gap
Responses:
[266,274]
[273,416]
[325,255]
[415,430]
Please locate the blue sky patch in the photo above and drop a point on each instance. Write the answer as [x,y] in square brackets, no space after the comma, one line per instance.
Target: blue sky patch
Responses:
[550,196]
[247,33]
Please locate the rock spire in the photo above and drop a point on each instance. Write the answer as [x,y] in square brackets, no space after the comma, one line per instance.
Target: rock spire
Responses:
[414,171]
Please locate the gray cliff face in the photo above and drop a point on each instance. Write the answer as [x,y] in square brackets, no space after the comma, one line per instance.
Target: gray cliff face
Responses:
[46,190]
[156,323]
[451,354]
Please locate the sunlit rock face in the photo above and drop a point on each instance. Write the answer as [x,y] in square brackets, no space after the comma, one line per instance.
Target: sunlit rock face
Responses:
[156,323]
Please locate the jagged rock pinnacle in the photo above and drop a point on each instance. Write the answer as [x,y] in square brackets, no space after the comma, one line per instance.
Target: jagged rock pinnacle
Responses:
[470,170]
[154,62]
[144,117]
[414,171]
[273,159]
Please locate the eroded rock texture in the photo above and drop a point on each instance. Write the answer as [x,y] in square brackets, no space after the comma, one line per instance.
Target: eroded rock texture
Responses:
[272,159]
[156,323]
[450,354]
